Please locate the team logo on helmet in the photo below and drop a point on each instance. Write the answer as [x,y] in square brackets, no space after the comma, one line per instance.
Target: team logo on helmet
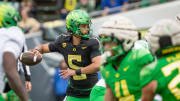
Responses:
[76,18]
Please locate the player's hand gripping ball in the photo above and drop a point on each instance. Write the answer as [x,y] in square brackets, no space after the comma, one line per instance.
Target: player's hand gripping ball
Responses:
[30,58]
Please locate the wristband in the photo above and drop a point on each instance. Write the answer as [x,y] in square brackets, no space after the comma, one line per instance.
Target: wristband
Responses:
[78,72]
[27,78]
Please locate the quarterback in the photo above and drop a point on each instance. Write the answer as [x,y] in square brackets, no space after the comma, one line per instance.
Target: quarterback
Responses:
[81,53]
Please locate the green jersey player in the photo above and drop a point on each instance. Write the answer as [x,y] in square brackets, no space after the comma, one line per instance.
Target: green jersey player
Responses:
[162,76]
[122,67]
[98,91]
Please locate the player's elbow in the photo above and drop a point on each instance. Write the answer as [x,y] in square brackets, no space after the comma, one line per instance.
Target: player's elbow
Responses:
[97,68]
[144,98]
[9,63]
[148,91]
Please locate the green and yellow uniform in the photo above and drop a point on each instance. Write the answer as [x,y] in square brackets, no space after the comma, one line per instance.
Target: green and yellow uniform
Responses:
[1,97]
[9,96]
[98,91]
[125,81]
[166,72]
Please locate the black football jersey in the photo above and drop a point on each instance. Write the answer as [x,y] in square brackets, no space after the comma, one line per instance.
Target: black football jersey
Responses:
[76,57]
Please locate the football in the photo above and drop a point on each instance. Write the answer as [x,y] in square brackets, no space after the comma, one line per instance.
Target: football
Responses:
[29,58]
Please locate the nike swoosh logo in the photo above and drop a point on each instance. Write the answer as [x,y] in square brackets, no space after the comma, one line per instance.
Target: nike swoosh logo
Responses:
[126,68]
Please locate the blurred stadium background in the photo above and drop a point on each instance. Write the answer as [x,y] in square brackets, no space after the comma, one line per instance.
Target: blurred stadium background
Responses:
[47,16]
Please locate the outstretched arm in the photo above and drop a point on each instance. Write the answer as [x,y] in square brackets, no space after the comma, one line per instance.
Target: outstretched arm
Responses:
[9,64]
[42,49]
[148,91]
[108,94]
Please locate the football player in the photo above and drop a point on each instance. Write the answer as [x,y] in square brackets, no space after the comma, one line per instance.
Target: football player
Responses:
[122,67]
[81,53]
[11,44]
[98,91]
[162,76]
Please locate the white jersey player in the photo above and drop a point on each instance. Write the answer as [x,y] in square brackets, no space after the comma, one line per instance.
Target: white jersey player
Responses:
[11,45]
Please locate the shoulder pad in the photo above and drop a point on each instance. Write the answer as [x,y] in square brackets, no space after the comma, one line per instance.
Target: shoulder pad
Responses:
[62,38]
[92,41]
[16,34]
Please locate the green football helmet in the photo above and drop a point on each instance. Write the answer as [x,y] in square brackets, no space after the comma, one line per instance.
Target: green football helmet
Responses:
[118,30]
[104,39]
[8,15]
[117,50]
[76,18]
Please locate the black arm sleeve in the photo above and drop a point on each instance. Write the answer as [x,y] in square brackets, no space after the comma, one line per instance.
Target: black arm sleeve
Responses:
[26,74]
[95,49]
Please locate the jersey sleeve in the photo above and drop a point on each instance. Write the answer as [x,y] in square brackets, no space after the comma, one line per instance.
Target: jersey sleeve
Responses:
[52,47]
[27,73]
[56,46]
[161,84]
[104,73]
[95,49]
[145,56]
[14,42]
[147,74]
